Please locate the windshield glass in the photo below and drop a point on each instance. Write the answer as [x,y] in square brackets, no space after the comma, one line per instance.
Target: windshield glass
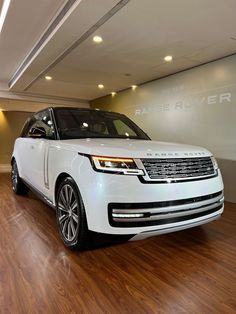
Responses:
[77,123]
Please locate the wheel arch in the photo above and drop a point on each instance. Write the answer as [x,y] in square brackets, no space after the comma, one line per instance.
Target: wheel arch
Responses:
[59,179]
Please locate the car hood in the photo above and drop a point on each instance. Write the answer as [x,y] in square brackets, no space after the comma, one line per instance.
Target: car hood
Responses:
[132,148]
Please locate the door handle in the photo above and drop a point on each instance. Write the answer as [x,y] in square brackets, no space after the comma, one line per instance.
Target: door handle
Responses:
[32,146]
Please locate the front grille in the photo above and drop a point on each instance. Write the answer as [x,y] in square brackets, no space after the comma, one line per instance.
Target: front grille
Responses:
[178,168]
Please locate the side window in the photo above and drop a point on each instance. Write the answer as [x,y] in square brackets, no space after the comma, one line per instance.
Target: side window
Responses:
[26,127]
[42,120]
[123,129]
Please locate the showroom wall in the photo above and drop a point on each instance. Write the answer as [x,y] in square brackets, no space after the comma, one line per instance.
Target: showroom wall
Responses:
[11,123]
[13,114]
[197,106]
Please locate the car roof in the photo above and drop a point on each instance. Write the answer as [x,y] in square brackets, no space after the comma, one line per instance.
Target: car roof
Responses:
[79,109]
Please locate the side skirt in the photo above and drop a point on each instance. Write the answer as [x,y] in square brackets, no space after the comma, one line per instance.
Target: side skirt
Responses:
[40,195]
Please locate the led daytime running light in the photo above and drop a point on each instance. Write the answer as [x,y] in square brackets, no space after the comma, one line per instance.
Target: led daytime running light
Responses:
[112,159]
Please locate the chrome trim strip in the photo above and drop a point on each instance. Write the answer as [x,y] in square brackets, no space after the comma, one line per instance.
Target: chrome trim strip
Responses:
[169,215]
[45,163]
[169,208]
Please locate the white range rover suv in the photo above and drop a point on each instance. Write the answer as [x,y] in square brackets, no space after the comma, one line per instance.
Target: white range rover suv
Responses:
[104,176]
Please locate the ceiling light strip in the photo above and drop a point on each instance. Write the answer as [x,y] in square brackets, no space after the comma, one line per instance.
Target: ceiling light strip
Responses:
[43,40]
[4,11]
[79,41]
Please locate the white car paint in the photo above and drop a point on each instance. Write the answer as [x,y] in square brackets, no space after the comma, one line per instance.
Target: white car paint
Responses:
[41,161]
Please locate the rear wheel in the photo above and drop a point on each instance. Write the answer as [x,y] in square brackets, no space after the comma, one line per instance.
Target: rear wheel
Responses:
[71,217]
[17,185]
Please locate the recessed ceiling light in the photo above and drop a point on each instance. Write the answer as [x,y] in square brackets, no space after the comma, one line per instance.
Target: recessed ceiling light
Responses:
[168,58]
[48,78]
[3,14]
[113,94]
[100,86]
[97,39]
[134,87]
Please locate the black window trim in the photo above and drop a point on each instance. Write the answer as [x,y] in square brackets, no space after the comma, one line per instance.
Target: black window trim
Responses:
[52,115]
[28,124]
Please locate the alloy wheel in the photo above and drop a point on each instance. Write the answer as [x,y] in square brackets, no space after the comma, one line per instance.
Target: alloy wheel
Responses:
[68,212]
[14,176]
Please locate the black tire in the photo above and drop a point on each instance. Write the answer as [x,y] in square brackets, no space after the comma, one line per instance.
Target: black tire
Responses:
[71,217]
[17,185]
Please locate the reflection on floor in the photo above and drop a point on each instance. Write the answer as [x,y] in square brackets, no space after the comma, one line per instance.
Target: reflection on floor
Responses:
[190,271]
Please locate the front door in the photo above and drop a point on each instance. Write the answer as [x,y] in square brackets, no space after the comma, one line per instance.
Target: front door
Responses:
[35,165]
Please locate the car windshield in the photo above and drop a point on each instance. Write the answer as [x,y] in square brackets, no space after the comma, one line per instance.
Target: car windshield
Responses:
[78,123]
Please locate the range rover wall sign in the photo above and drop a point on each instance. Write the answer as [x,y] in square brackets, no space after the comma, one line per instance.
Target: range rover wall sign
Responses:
[105,176]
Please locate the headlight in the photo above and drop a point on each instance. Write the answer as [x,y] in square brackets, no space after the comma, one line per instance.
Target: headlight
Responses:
[215,164]
[116,165]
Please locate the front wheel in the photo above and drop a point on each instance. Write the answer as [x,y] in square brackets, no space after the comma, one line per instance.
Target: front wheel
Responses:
[17,185]
[71,217]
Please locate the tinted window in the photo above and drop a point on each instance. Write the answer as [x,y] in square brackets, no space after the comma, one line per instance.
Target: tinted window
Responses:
[43,120]
[123,129]
[77,123]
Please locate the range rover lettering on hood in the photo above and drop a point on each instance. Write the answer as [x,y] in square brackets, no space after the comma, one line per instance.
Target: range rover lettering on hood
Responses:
[195,154]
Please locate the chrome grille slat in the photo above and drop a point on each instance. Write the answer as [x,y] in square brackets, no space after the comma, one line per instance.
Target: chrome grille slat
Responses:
[169,168]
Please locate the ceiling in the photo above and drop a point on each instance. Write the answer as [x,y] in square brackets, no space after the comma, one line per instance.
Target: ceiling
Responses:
[25,22]
[136,36]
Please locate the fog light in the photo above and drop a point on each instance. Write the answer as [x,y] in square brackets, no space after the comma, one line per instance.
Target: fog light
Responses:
[127,215]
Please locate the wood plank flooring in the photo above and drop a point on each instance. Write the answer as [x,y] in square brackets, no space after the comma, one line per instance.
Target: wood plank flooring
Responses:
[191,271]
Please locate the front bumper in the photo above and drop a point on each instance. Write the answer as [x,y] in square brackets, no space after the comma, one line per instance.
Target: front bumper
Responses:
[163,213]
[171,207]
[147,234]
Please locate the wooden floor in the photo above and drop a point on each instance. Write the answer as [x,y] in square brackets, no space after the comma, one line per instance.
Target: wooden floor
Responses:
[190,271]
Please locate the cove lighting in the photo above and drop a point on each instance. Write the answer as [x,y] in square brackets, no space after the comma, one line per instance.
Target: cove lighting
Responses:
[4,11]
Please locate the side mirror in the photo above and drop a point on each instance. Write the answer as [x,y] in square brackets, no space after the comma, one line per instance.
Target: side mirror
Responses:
[37,132]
